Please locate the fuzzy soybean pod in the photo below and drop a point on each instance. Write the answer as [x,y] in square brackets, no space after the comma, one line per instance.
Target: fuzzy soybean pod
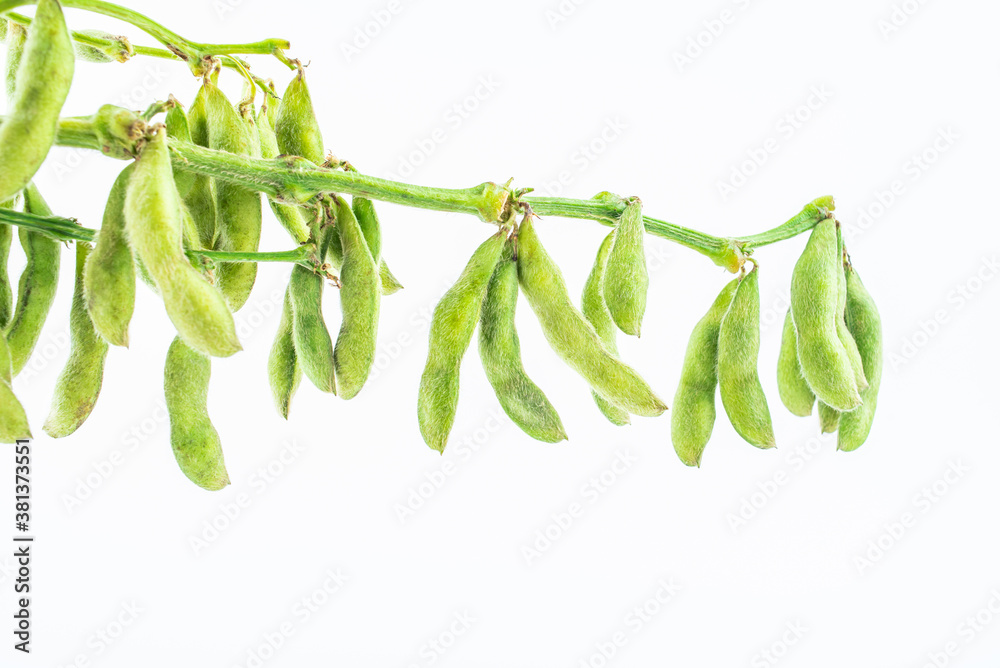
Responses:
[37,288]
[17,35]
[333,254]
[200,197]
[739,344]
[153,227]
[283,369]
[694,404]
[824,361]
[360,294]
[595,310]
[313,344]
[792,387]
[850,346]
[179,128]
[237,210]
[293,218]
[6,292]
[627,279]
[865,326]
[829,418]
[571,336]
[43,79]
[109,273]
[452,326]
[195,442]
[79,384]
[500,352]
[13,420]
[364,211]
[295,125]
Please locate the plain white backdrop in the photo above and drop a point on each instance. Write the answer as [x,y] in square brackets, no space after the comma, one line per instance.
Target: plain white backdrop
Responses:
[345,541]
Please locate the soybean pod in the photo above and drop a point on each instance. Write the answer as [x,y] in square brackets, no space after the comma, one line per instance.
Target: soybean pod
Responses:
[37,288]
[865,326]
[295,126]
[360,294]
[571,336]
[6,292]
[452,326]
[829,418]
[109,274]
[500,352]
[13,420]
[237,210]
[153,224]
[739,344]
[293,218]
[179,128]
[595,310]
[627,279]
[313,346]
[283,369]
[79,384]
[814,294]
[200,197]
[42,83]
[792,387]
[17,35]
[194,440]
[693,415]
[842,332]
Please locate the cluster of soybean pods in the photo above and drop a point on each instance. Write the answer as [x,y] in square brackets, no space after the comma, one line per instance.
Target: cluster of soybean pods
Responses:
[160,224]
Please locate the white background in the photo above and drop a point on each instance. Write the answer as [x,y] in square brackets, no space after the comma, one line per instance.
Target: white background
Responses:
[824,552]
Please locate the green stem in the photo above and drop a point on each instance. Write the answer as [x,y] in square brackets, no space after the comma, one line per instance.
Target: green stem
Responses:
[67,229]
[805,220]
[296,180]
[192,52]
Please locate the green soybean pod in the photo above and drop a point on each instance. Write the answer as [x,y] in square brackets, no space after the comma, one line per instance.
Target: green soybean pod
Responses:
[237,210]
[792,387]
[571,336]
[452,326]
[119,51]
[842,332]
[739,344]
[865,326]
[500,352]
[3,30]
[595,310]
[313,345]
[6,292]
[390,284]
[694,404]
[13,420]
[200,198]
[293,218]
[627,279]
[109,273]
[17,35]
[824,361]
[360,293]
[43,79]
[79,384]
[153,225]
[194,440]
[829,418]
[283,368]
[37,288]
[295,124]
[179,128]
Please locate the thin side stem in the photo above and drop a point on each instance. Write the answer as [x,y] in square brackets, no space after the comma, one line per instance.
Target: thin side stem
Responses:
[192,52]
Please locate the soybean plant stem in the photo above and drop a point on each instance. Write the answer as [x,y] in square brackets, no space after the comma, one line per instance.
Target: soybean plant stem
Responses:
[192,52]
[67,229]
